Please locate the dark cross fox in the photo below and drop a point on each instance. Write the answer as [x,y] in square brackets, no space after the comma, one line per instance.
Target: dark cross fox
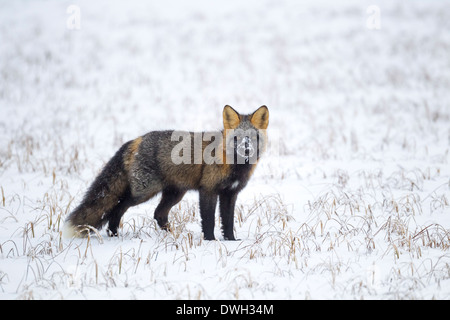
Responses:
[217,164]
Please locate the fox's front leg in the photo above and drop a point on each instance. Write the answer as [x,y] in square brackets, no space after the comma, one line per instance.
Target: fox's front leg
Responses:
[208,202]
[227,203]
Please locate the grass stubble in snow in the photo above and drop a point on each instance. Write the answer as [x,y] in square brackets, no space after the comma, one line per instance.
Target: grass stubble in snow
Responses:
[352,200]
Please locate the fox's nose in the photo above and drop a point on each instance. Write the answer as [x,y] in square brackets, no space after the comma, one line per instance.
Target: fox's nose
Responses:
[247,145]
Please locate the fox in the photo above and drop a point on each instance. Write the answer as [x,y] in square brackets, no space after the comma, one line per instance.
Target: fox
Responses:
[150,165]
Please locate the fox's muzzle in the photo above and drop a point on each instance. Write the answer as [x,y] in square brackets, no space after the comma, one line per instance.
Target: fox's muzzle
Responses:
[245,148]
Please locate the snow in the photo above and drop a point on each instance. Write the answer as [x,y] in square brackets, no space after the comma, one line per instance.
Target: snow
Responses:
[350,201]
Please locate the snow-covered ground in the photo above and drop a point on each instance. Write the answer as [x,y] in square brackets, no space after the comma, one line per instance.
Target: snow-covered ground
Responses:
[351,201]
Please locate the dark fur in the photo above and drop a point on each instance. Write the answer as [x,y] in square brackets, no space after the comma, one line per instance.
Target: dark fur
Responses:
[143,167]
[101,201]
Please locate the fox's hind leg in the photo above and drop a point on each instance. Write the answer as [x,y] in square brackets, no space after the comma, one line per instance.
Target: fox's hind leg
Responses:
[116,213]
[170,197]
[126,201]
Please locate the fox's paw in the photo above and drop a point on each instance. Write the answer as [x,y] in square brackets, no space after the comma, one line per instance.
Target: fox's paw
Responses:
[166,227]
[112,233]
[232,238]
[163,223]
[209,237]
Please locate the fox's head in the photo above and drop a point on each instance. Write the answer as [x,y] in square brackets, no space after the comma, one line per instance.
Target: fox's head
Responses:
[245,135]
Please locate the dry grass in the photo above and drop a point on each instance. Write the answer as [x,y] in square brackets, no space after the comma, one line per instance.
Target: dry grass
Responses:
[351,201]
[342,226]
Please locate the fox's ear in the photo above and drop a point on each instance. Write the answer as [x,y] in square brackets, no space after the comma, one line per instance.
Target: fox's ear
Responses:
[260,118]
[231,118]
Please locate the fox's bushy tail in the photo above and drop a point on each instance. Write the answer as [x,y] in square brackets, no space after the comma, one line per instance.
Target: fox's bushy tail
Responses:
[101,197]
